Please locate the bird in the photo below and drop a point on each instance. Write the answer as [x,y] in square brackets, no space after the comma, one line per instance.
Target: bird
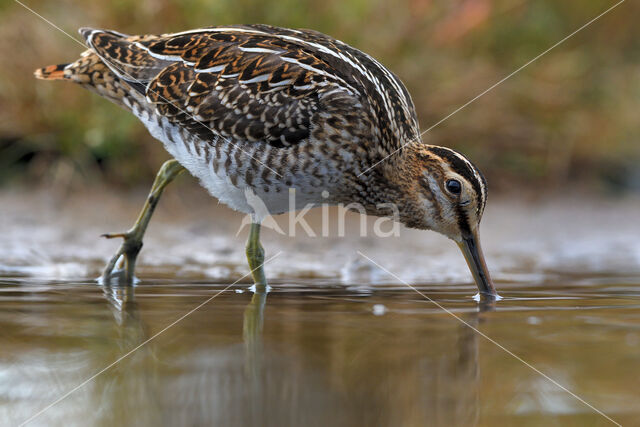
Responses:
[272,110]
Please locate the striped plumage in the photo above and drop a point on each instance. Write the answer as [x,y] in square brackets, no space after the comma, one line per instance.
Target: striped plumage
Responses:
[269,109]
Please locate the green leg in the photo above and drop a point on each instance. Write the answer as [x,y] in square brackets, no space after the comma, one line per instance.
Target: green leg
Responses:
[255,256]
[128,251]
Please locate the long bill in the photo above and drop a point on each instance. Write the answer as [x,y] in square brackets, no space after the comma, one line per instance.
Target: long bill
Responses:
[470,247]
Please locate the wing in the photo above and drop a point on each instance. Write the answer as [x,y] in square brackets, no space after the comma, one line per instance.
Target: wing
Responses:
[229,84]
[261,83]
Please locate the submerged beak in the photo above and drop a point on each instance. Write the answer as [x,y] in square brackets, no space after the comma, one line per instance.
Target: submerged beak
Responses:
[470,247]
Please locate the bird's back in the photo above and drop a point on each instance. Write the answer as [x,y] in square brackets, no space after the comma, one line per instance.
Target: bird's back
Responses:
[268,105]
[244,74]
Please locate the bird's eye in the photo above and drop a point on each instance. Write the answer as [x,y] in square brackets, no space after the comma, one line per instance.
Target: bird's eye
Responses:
[454,186]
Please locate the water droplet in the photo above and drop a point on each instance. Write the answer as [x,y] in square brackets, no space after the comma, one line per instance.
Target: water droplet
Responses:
[379,310]
[533,320]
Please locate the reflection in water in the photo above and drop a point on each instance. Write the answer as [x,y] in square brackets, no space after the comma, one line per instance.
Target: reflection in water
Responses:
[252,329]
[307,384]
[309,357]
[318,354]
[128,393]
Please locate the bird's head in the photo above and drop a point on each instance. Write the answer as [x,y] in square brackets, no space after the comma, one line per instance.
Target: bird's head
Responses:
[445,192]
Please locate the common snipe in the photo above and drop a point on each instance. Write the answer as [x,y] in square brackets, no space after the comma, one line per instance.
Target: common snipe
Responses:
[270,109]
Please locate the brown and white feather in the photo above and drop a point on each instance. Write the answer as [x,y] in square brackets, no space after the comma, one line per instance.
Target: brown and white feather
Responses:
[259,107]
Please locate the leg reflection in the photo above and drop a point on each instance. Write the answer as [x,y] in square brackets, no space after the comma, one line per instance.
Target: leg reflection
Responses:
[252,335]
[126,394]
[124,306]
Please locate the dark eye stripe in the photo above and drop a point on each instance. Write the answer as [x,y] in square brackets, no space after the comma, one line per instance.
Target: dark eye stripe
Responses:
[463,168]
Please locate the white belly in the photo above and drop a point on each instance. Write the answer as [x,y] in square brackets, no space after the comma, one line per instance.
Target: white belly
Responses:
[249,200]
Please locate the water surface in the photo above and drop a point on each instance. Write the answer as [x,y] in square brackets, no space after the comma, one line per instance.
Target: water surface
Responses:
[337,342]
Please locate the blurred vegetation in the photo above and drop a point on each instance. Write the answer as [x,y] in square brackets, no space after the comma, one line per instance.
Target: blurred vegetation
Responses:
[570,118]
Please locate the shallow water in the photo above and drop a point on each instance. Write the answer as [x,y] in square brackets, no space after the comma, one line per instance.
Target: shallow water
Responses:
[338,341]
[318,354]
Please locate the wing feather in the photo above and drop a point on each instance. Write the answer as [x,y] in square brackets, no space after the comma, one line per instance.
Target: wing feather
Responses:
[245,83]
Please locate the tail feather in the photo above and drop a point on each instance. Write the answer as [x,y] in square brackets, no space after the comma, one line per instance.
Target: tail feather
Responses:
[92,73]
[52,72]
[124,54]
[114,65]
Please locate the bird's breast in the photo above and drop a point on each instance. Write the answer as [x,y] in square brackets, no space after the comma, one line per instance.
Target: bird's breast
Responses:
[248,177]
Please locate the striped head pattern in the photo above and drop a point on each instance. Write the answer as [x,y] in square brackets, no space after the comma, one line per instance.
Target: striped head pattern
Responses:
[450,191]
[447,194]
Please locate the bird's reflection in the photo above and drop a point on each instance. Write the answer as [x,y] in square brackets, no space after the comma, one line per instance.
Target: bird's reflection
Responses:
[406,380]
[485,305]
[466,371]
[123,304]
[128,391]
[132,389]
[357,370]
[252,328]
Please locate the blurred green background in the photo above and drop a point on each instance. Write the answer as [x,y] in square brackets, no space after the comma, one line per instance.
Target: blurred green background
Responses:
[569,120]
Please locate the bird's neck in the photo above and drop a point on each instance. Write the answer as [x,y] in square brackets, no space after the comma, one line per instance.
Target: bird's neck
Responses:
[390,182]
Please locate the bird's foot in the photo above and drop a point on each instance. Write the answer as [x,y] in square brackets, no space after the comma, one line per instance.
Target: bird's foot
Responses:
[121,267]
